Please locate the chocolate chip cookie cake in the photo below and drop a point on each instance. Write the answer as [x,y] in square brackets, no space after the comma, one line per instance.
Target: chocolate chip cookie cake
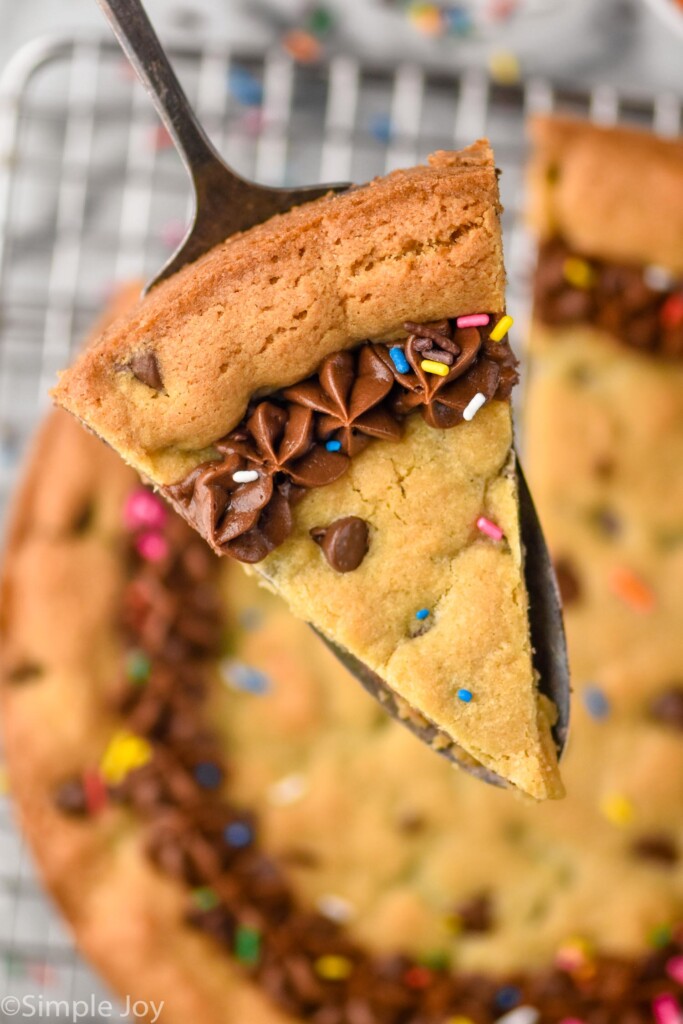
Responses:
[326,399]
[236,830]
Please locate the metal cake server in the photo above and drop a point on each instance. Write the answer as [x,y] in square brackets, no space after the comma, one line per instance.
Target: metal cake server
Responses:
[226,203]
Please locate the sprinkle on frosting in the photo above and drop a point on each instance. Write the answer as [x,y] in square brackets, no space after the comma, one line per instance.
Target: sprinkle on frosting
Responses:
[521,1015]
[666,1010]
[152,546]
[305,435]
[333,968]
[501,328]
[125,752]
[473,320]
[473,406]
[238,834]
[432,366]
[578,272]
[144,511]
[287,790]
[247,945]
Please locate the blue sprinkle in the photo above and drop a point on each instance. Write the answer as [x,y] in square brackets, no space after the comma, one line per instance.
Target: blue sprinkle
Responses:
[399,360]
[507,997]
[245,87]
[423,613]
[208,774]
[465,696]
[245,678]
[596,702]
[381,128]
[458,20]
[333,446]
[238,834]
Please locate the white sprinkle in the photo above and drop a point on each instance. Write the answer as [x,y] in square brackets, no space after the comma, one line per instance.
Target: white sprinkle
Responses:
[336,908]
[474,406]
[287,790]
[245,476]
[520,1015]
[658,278]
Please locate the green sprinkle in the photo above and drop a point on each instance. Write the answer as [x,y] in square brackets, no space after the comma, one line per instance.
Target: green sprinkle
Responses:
[437,960]
[205,898]
[138,667]
[247,944]
[660,936]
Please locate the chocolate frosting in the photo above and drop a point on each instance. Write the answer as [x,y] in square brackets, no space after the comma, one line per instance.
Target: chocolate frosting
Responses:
[616,298]
[356,396]
[171,612]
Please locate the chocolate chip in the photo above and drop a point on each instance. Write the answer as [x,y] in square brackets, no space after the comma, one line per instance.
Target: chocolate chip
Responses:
[71,798]
[145,367]
[344,543]
[667,707]
[567,581]
[25,672]
[476,914]
[659,848]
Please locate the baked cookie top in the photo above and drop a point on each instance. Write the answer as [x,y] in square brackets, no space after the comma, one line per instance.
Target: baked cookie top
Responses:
[609,193]
[165,382]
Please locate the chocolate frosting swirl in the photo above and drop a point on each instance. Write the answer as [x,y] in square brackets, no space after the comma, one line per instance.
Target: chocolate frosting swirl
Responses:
[304,435]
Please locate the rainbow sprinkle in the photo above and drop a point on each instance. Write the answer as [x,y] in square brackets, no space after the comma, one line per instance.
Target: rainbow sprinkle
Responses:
[333,968]
[464,695]
[125,752]
[238,834]
[522,1015]
[501,328]
[631,589]
[399,360]
[96,795]
[205,898]
[333,446]
[247,944]
[431,366]
[474,406]
[671,313]
[618,809]
[143,510]
[491,530]
[245,476]
[336,908]
[665,1010]
[208,774]
[152,546]
[473,320]
[138,666]
[422,614]
[596,702]
[674,968]
[578,272]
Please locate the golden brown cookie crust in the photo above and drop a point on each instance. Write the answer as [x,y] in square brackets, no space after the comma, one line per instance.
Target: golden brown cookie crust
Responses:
[420,244]
[610,193]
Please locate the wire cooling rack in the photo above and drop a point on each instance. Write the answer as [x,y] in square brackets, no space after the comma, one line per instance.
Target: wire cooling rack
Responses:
[91,192]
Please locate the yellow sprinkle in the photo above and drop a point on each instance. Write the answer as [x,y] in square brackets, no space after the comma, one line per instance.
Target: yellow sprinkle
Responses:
[501,328]
[504,67]
[125,752]
[578,273]
[333,968]
[431,366]
[617,808]
[4,781]
[459,1020]
[426,18]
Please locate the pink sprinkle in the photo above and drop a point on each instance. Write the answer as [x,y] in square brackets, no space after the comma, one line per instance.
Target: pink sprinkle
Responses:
[674,968]
[144,510]
[571,1020]
[153,547]
[473,320]
[666,1010]
[491,530]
